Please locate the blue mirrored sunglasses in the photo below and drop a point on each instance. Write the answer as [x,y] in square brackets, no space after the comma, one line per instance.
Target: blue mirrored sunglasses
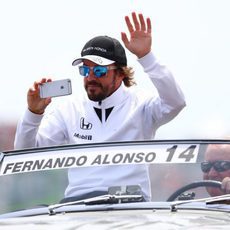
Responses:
[98,71]
[219,166]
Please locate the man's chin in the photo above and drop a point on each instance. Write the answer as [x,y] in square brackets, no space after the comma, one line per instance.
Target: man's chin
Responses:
[95,97]
[215,192]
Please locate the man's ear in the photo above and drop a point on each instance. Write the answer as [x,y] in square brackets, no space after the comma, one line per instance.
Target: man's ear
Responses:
[121,76]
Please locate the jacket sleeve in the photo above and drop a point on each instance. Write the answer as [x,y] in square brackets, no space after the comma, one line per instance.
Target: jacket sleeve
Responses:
[26,131]
[170,100]
[38,131]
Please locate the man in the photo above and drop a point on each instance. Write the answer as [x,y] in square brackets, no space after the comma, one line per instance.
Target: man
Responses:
[110,112]
[217,167]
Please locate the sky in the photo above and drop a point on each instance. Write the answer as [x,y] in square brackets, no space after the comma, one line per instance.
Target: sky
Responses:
[41,38]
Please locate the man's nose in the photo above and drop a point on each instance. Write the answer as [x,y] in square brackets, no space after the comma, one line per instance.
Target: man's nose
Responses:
[91,75]
[213,172]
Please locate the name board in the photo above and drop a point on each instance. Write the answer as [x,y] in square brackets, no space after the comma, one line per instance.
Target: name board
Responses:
[98,156]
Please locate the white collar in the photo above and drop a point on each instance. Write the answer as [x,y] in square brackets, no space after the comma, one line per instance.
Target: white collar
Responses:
[114,99]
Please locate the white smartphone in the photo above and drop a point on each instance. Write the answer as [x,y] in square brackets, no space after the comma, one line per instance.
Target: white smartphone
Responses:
[56,88]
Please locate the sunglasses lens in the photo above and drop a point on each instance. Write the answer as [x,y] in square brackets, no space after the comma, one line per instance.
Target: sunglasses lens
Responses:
[100,71]
[206,166]
[84,71]
[221,166]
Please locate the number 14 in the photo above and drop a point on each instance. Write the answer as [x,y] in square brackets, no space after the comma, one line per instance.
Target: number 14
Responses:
[187,154]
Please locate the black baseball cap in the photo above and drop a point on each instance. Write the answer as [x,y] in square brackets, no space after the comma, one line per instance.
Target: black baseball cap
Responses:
[103,50]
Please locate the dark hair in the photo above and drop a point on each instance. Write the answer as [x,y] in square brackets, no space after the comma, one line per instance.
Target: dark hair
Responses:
[128,72]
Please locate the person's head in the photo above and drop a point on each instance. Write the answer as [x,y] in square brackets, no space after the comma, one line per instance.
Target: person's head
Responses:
[104,67]
[216,165]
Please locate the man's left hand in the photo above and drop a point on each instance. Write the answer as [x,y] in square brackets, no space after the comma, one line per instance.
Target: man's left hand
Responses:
[140,35]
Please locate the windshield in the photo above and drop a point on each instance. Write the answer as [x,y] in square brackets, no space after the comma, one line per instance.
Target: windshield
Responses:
[46,176]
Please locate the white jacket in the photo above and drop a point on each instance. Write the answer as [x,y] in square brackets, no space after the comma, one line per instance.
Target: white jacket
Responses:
[125,115]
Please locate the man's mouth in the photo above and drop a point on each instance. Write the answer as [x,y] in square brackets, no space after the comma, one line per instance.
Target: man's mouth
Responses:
[215,178]
[93,85]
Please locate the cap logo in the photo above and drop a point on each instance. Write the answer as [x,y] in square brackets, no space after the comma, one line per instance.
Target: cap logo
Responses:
[97,60]
[94,48]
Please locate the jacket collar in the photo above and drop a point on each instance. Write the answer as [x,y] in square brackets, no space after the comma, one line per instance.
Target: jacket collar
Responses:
[113,100]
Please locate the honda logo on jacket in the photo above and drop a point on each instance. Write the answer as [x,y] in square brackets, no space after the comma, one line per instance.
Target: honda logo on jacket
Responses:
[85,125]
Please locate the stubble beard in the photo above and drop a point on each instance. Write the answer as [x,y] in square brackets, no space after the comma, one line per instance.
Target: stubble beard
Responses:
[95,94]
[104,92]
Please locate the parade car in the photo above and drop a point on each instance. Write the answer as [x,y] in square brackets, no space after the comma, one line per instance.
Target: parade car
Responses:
[33,183]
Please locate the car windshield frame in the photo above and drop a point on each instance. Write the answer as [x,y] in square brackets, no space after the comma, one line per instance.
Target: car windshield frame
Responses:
[8,157]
